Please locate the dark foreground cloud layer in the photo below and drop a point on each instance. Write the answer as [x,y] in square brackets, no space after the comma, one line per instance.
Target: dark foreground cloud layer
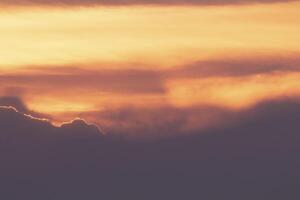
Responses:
[135,2]
[255,157]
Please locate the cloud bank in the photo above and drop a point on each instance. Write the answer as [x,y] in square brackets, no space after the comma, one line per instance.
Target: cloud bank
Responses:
[254,157]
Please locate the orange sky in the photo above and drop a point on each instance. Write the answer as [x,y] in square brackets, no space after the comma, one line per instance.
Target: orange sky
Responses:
[78,59]
[158,36]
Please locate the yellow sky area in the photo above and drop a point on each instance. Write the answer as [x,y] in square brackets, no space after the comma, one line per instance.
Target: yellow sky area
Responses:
[154,36]
[60,104]
[233,92]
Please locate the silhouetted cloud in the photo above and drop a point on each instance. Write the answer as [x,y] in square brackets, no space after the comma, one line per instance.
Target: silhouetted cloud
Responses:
[14,122]
[136,2]
[256,156]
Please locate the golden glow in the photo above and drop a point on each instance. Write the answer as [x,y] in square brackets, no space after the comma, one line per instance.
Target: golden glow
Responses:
[58,104]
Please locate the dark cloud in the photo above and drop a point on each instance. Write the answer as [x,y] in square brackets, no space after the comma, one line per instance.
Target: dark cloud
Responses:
[14,122]
[256,156]
[135,2]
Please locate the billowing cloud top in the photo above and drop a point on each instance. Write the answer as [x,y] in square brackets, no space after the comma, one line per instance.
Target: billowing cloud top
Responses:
[13,122]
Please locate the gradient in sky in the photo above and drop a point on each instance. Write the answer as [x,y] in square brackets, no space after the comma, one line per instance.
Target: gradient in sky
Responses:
[92,58]
[149,99]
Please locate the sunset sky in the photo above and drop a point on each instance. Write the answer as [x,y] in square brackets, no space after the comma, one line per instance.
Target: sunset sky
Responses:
[73,58]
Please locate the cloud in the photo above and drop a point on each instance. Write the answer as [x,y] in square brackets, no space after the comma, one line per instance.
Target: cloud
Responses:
[237,67]
[247,159]
[114,81]
[135,2]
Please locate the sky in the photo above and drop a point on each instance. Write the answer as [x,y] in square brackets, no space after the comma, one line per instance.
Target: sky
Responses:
[75,58]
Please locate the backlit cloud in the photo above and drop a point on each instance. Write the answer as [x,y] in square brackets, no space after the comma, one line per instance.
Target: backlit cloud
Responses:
[14,122]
